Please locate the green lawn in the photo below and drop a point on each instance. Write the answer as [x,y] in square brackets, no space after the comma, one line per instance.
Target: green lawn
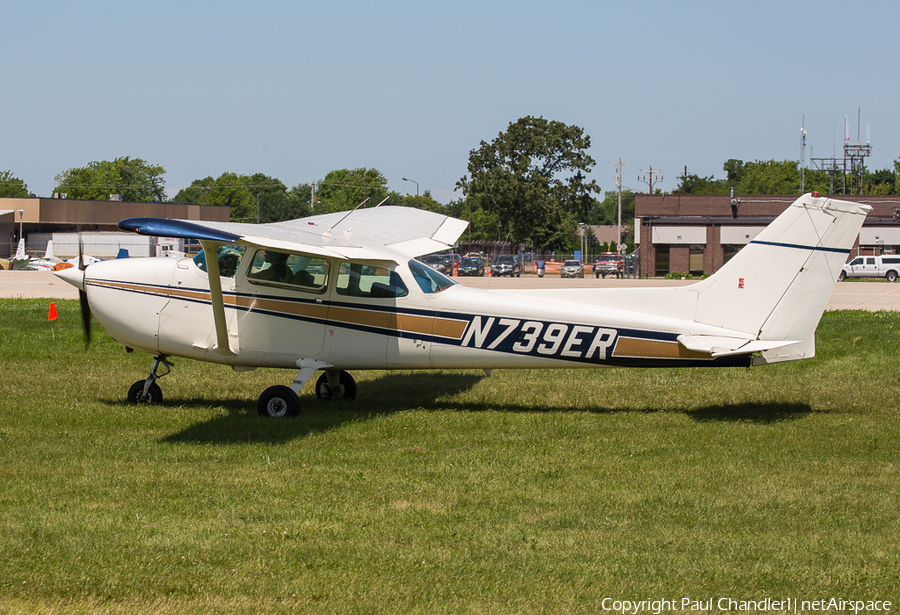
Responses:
[444,492]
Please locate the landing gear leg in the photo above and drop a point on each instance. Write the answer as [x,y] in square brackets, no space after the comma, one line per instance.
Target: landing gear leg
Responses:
[333,384]
[147,392]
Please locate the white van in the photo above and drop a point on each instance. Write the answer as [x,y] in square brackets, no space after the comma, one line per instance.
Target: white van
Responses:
[872,267]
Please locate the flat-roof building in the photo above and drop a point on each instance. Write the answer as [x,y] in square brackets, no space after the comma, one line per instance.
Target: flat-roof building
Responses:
[697,234]
[35,215]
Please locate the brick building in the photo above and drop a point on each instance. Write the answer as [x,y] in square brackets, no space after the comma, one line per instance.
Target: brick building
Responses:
[36,215]
[697,234]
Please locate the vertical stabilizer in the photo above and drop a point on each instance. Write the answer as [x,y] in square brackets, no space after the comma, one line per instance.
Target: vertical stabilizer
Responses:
[776,288]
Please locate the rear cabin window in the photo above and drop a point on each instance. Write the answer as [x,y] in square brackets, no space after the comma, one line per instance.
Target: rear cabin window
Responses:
[370,281]
[273,267]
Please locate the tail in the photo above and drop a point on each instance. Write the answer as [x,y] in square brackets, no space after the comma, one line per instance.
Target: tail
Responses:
[776,288]
[20,250]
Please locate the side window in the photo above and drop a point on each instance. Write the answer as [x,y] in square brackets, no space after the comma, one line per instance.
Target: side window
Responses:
[870,261]
[280,268]
[229,256]
[358,280]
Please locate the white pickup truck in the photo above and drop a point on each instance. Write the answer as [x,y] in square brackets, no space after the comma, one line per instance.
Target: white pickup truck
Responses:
[872,267]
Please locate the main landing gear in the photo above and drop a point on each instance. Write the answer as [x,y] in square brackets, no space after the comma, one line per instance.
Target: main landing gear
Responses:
[280,401]
[275,402]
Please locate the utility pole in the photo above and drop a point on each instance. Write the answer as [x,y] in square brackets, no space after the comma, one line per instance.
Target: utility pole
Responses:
[649,177]
[803,154]
[619,188]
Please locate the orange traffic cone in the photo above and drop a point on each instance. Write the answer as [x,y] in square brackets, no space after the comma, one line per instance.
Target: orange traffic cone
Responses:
[52,315]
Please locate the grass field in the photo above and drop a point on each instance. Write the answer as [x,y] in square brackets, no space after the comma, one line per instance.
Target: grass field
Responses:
[444,492]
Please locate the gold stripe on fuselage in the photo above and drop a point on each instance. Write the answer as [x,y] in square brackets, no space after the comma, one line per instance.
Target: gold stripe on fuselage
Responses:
[392,321]
[634,347]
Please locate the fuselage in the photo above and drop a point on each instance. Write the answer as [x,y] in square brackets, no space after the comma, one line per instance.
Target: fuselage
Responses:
[162,306]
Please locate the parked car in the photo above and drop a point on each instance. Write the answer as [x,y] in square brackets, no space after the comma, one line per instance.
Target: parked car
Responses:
[572,269]
[440,262]
[608,263]
[471,265]
[872,267]
[507,264]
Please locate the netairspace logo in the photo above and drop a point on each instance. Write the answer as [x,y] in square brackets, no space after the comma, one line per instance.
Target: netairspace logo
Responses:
[787,605]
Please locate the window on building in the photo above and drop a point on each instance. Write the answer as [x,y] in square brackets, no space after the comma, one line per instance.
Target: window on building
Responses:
[662,260]
[728,252]
[695,262]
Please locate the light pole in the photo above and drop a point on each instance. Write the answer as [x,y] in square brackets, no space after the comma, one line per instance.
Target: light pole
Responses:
[583,239]
[21,216]
[417,190]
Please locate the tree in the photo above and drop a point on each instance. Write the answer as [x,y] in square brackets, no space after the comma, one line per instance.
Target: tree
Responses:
[250,197]
[344,189]
[694,184]
[532,177]
[11,186]
[607,210]
[769,177]
[132,179]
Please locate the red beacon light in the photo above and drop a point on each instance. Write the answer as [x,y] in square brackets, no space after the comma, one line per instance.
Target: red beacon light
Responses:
[816,194]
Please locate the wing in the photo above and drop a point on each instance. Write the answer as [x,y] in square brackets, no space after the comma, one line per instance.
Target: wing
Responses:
[378,233]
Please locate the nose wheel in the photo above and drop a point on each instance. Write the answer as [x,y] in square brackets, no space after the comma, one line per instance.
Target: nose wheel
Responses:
[147,392]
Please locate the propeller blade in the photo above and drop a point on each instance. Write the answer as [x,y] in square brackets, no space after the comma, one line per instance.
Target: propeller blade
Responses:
[83,299]
[85,317]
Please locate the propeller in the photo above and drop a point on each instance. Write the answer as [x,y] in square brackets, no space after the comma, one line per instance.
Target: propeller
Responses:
[83,298]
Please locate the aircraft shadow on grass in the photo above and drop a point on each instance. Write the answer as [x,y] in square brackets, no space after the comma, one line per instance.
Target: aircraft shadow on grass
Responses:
[403,391]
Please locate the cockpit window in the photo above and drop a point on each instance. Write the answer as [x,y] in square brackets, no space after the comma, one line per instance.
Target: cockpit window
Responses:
[358,280]
[277,268]
[228,256]
[430,281]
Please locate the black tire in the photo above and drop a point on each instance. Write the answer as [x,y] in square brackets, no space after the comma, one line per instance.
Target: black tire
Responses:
[153,397]
[277,402]
[891,276]
[842,276]
[346,388]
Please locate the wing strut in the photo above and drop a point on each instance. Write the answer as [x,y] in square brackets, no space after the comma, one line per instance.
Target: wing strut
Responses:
[223,346]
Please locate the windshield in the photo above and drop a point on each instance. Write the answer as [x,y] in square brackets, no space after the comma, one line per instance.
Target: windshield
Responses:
[505,260]
[571,264]
[430,281]
[471,262]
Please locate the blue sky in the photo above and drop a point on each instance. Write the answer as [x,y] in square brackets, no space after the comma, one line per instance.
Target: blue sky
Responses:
[297,89]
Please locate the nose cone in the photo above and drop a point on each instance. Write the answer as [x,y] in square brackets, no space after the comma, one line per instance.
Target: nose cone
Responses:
[72,275]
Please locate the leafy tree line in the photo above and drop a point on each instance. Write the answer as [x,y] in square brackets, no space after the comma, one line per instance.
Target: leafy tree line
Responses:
[783,177]
[529,185]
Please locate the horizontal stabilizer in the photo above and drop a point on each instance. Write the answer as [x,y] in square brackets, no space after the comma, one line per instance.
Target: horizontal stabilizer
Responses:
[728,346]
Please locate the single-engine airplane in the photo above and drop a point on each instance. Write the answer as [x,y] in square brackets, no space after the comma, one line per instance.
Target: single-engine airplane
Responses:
[342,291]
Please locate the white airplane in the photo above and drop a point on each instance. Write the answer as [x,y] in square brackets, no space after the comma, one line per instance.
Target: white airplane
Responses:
[21,259]
[47,262]
[343,291]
